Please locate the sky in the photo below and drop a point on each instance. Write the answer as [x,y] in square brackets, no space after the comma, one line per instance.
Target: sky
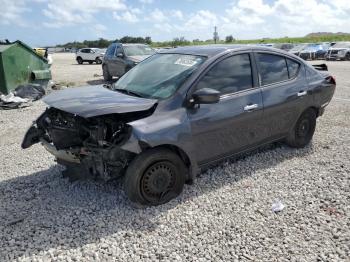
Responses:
[51,22]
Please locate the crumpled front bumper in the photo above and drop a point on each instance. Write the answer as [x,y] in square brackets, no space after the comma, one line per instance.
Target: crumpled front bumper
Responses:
[64,155]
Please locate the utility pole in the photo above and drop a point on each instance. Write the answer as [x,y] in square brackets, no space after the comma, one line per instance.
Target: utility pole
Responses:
[216,35]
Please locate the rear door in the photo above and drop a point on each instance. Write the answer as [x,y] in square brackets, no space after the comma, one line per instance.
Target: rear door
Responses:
[232,124]
[284,91]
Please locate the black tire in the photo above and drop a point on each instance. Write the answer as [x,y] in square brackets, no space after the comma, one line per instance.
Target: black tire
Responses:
[155,177]
[98,60]
[303,131]
[106,75]
[347,57]
[79,60]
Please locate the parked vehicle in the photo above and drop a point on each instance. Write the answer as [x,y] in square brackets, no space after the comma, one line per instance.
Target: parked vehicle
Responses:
[120,58]
[314,51]
[89,55]
[283,46]
[339,51]
[297,49]
[181,111]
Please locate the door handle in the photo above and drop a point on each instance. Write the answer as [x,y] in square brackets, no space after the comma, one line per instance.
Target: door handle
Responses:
[250,107]
[302,93]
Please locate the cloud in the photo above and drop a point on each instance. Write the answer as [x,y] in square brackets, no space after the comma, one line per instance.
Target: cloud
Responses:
[177,14]
[129,16]
[146,1]
[11,12]
[158,16]
[285,17]
[69,12]
[203,19]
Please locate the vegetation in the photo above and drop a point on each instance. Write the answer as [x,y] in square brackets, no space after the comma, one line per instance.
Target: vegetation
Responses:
[181,41]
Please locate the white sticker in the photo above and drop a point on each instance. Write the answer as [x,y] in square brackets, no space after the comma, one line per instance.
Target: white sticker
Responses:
[186,61]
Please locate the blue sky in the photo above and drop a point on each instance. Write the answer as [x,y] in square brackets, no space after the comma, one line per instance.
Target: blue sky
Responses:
[50,22]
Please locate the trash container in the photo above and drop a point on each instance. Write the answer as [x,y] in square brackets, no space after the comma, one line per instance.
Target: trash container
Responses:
[20,64]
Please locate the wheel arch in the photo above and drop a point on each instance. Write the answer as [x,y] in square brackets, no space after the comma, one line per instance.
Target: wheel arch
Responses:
[184,156]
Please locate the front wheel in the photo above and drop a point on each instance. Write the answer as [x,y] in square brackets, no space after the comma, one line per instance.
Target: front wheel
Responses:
[303,130]
[155,177]
[79,60]
[98,60]
[106,75]
[347,57]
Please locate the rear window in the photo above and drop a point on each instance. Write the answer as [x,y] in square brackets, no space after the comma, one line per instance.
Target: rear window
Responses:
[273,68]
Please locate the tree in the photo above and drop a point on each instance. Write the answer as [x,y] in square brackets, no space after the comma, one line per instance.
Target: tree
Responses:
[180,41]
[229,39]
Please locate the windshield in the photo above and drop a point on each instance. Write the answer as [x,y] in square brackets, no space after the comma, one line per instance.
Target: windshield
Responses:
[135,50]
[313,47]
[342,45]
[297,48]
[160,75]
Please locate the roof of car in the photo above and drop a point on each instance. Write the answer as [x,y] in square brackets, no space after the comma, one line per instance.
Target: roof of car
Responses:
[212,50]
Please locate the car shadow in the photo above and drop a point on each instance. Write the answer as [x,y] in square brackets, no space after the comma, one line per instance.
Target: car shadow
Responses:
[43,210]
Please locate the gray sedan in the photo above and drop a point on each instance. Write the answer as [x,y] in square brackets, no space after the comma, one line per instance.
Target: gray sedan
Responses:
[179,112]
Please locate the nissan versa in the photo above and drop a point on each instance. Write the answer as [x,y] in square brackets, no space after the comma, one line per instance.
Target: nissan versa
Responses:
[180,111]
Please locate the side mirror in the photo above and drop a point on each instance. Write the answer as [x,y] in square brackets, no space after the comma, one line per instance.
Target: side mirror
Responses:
[120,55]
[206,96]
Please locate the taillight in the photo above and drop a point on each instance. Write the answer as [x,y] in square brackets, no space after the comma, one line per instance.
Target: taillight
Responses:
[331,79]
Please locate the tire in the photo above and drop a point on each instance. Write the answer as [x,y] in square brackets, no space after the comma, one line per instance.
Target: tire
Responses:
[347,57]
[106,75]
[80,60]
[98,60]
[303,131]
[154,177]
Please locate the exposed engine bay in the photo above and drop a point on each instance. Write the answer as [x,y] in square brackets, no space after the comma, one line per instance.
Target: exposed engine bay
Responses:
[86,146]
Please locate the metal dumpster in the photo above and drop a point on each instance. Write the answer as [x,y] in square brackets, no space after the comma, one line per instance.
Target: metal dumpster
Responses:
[19,64]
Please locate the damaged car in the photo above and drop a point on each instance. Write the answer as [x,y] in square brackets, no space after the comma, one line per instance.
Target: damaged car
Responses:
[180,112]
[339,51]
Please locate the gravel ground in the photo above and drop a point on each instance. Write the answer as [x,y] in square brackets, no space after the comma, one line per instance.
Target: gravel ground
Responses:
[225,216]
[66,71]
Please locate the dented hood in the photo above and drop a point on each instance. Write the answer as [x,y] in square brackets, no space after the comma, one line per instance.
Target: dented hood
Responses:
[92,101]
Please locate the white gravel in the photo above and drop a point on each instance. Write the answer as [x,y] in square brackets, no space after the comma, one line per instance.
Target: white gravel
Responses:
[225,216]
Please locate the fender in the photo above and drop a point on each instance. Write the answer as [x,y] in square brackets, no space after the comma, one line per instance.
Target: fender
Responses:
[160,130]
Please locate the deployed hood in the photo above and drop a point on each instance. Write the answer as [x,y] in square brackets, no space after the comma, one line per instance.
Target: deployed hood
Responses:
[92,101]
[138,58]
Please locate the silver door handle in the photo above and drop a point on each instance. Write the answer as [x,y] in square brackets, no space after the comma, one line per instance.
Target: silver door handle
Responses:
[250,107]
[302,93]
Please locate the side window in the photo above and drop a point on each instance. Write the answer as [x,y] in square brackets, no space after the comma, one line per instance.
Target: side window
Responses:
[293,68]
[230,75]
[83,50]
[273,68]
[119,50]
[111,50]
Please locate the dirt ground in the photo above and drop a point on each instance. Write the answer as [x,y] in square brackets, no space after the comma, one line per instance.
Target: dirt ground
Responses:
[66,71]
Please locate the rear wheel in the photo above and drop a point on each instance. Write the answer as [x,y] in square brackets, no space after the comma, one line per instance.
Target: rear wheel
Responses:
[155,177]
[106,75]
[79,60]
[347,57]
[303,130]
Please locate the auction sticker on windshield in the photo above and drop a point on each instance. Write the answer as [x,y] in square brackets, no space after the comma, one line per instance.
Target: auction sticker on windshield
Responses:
[187,61]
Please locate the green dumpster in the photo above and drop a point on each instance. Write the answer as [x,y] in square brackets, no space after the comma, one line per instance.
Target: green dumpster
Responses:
[19,64]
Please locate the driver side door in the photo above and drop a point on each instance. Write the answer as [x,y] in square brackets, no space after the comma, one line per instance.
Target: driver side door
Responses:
[231,125]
